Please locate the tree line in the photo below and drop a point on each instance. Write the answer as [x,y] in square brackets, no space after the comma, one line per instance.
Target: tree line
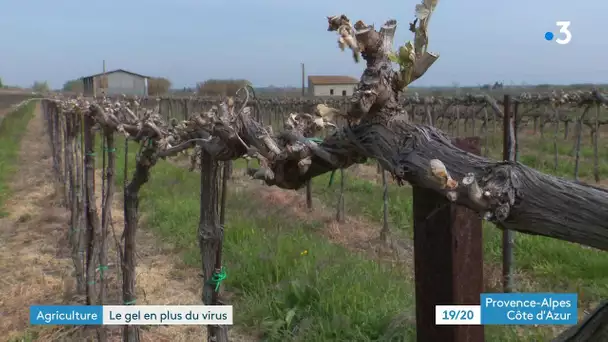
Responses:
[38,86]
[156,86]
[161,86]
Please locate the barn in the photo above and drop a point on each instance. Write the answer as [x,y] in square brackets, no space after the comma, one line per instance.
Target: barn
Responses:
[331,85]
[116,82]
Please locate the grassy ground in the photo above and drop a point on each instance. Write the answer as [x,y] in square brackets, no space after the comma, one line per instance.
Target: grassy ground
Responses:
[12,129]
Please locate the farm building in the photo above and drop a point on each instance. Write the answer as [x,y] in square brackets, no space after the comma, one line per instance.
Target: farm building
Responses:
[331,85]
[116,82]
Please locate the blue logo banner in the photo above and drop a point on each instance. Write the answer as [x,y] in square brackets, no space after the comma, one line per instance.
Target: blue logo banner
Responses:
[66,314]
[529,308]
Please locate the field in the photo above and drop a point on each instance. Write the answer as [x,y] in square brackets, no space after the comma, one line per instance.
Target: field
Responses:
[292,274]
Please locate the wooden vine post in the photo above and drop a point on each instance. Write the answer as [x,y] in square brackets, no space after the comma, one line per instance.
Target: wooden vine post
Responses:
[76,232]
[448,260]
[146,158]
[309,196]
[92,219]
[210,237]
[108,150]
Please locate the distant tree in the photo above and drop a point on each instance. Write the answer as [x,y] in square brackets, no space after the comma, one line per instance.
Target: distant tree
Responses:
[40,87]
[214,87]
[498,85]
[1,84]
[74,86]
[158,86]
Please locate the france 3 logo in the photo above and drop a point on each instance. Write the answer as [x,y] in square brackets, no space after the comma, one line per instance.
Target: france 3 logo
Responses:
[564,29]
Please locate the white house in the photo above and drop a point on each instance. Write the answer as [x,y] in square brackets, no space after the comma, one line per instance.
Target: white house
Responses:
[331,85]
[116,82]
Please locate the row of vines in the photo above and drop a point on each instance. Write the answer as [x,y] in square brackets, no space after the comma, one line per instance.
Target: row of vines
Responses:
[85,134]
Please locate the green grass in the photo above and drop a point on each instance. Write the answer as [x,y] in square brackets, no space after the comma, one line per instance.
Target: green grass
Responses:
[12,129]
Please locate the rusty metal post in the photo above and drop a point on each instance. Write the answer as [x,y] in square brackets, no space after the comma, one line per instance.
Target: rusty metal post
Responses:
[508,153]
[448,260]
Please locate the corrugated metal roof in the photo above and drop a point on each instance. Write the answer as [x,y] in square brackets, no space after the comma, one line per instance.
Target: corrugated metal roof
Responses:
[117,70]
[332,80]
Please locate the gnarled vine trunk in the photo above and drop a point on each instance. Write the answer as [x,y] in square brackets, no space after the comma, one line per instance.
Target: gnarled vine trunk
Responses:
[210,237]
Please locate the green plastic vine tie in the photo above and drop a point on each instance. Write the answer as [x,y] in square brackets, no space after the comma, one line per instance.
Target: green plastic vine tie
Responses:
[101,269]
[91,154]
[315,139]
[217,278]
[130,302]
[110,150]
[331,178]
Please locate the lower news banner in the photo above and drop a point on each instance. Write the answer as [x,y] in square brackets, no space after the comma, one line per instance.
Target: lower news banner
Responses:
[512,309]
[131,314]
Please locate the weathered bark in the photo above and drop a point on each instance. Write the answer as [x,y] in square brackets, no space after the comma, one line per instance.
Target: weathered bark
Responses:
[80,198]
[92,218]
[66,165]
[106,218]
[210,236]
[145,161]
[75,231]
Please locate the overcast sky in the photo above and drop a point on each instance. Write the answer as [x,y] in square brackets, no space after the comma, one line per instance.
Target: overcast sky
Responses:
[264,41]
